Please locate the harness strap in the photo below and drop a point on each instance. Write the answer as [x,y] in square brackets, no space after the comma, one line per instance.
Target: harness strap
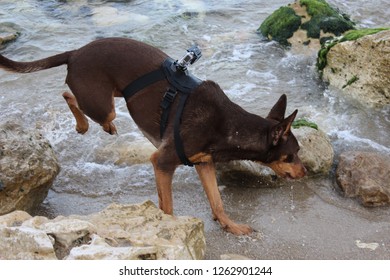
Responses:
[142,82]
[177,138]
[182,82]
[165,105]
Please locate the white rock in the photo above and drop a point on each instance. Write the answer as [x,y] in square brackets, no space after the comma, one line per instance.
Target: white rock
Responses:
[23,243]
[28,167]
[99,249]
[68,231]
[140,231]
[316,151]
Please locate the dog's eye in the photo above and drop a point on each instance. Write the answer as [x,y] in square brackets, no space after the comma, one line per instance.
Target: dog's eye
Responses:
[289,158]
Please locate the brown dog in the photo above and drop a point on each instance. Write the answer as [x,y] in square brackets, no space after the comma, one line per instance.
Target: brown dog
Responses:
[213,129]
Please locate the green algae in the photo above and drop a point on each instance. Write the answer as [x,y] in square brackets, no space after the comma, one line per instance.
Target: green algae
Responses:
[351,81]
[323,53]
[326,18]
[281,25]
[348,36]
[356,34]
[303,122]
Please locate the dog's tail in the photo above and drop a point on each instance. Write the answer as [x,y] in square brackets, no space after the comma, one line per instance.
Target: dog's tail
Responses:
[33,66]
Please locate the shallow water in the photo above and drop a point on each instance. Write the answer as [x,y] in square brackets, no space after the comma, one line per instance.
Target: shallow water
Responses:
[295,219]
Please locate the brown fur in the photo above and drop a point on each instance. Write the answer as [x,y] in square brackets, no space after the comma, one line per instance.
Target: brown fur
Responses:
[213,128]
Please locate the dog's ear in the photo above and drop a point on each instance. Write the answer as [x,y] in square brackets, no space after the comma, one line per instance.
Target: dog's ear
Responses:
[278,110]
[283,128]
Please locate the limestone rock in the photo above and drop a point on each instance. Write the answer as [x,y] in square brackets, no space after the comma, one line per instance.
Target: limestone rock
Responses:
[366,176]
[361,68]
[140,231]
[246,166]
[68,233]
[124,152]
[245,172]
[98,249]
[28,167]
[21,243]
[316,151]
[15,218]
[145,225]
[304,23]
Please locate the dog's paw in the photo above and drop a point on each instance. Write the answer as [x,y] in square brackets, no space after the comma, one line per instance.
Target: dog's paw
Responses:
[110,128]
[82,128]
[239,229]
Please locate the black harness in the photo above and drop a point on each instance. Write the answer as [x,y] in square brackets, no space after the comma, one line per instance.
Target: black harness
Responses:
[180,82]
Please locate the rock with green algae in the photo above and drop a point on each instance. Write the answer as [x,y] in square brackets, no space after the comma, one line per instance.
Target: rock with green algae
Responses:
[325,18]
[304,23]
[281,25]
[359,65]
[348,36]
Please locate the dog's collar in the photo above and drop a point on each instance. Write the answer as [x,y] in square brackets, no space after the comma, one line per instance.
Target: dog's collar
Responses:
[180,81]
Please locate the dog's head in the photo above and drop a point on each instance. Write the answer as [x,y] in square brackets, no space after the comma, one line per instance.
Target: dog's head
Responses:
[282,154]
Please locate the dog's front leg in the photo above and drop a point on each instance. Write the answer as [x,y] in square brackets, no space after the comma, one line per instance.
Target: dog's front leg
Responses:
[164,185]
[207,175]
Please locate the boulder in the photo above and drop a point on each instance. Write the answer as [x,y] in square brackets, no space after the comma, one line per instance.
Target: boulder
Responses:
[365,175]
[123,152]
[304,23]
[246,173]
[28,167]
[316,151]
[140,231]
[359,65]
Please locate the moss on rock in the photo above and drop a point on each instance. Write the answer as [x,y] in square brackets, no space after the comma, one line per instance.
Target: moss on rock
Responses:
[316,18]
[348,36]
[323,52]
[281,25]
[356,34]
[326,18]
[304,123]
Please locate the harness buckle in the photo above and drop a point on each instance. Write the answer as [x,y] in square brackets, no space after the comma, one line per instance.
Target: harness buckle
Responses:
[168,98]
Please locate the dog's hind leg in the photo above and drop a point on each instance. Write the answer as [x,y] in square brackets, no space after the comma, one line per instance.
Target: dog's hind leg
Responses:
[95,98]
[108,126]
[206,172]
[81,120]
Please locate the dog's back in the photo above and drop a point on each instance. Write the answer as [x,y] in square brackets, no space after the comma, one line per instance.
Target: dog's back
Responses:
[118,60]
